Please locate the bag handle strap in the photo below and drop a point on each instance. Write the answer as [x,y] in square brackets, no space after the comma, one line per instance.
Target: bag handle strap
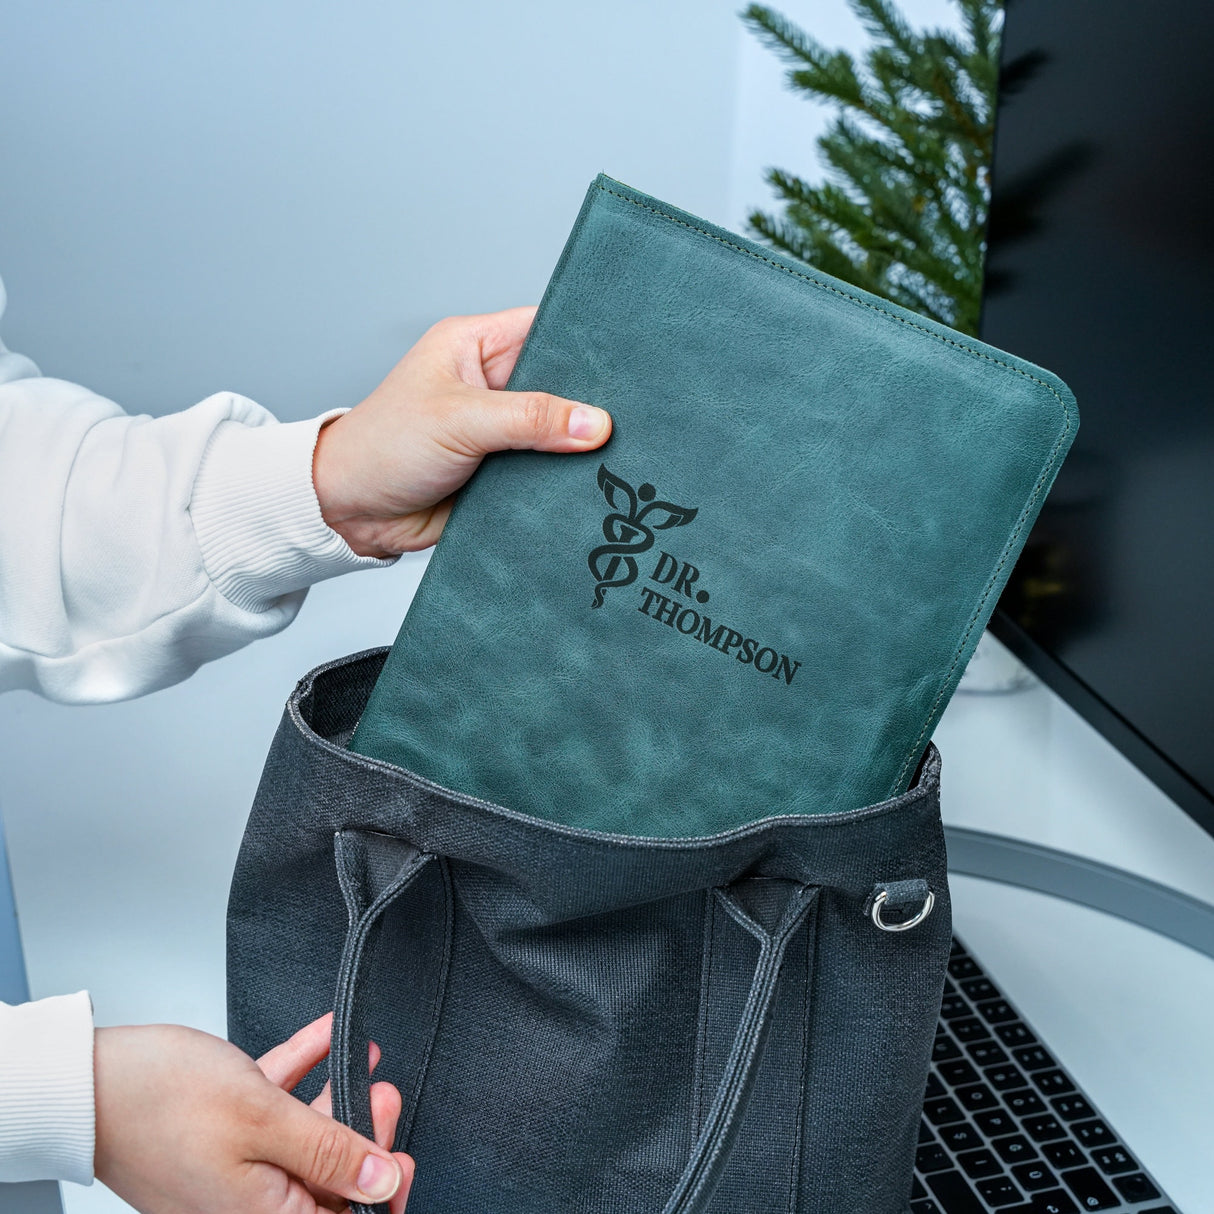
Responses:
[711,1152]
[375,870]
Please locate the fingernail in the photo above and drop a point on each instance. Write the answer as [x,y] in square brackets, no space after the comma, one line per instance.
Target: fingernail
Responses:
[379,1178]
[585,421]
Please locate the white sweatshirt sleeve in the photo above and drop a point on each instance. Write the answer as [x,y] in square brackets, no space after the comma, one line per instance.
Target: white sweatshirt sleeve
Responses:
[46,1090]
[132,550]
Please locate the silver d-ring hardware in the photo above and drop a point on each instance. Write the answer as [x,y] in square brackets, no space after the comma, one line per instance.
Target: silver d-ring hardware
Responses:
[924,911]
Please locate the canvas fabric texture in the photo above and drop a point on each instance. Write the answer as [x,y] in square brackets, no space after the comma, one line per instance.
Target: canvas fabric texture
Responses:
[581,1022]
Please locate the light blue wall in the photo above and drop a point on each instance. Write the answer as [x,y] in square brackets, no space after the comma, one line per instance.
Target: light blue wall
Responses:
[277,197]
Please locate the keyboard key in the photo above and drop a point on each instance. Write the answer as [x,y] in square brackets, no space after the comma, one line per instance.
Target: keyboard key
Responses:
[1053,1083]
[963,967]
[1063,1154]
[1003,1078]
[1034,1176]
[941,1112]
[949,988]
[975,1097]
[999,1191]
[952,1006]
[995,1124]
[934,1088]
[1114,1160]
[1093,1134]
[996,1011]
[958,1073]
[979,1163]
[969,1029]
[925,1133]
[1072,1108]
[944,1048]
[1056,1202]
[978,989]
[926,1206]
[1090,1191]
[1033,1058]
[932,1159]
[956,949]
[987,1053]
[960,1137]
[1136,1188]
[1024,1103]
[954,1193]
[1015,1033]
[1043,1128]
[1015,1149]
[917,1189]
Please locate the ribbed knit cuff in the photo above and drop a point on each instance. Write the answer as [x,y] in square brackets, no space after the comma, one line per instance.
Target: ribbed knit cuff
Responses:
[256,515]
[46,1089]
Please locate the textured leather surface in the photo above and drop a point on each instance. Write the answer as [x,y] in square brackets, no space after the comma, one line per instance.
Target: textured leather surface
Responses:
[848,484]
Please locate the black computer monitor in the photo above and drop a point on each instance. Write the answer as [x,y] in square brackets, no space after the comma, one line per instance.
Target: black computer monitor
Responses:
[1101,267]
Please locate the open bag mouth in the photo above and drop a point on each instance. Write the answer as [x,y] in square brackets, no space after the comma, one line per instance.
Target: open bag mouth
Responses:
[570,871]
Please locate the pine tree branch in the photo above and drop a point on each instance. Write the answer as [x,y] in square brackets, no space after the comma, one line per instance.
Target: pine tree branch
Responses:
[828,74]
[941,80]
[983,26]
[880,18]
[834,79]
[920,303]
[785,237]
[790,187]
[781,35]
[904,207]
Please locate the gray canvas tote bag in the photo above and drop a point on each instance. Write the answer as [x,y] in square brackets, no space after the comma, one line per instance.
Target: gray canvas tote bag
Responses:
[584,1023]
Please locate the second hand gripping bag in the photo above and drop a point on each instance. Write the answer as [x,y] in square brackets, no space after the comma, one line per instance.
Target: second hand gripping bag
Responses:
[647,920]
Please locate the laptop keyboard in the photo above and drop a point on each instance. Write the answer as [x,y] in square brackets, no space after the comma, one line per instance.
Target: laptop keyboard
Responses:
[1005,1128]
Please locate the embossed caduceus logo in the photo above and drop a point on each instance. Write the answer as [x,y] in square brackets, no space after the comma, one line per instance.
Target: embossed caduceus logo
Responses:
[629,530]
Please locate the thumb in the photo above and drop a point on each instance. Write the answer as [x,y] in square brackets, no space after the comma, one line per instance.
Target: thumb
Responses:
[499,421]
[325,1153]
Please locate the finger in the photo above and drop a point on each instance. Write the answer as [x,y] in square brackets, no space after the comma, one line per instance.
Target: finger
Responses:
[397,1205]
[500,421]
[286,1194]
[323,1153]
[385,1112]
[501,336]
[286,1064]
[324,1102]
[424,527]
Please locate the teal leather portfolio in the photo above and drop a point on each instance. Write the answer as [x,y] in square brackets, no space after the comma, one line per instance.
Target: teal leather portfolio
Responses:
[757,598]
